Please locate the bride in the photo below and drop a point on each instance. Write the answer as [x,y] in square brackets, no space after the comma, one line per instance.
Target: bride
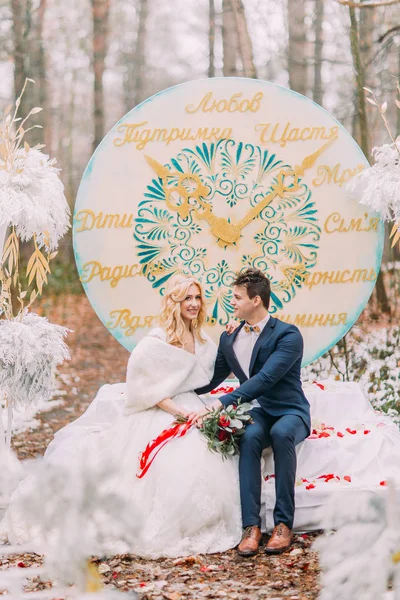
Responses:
[188,501]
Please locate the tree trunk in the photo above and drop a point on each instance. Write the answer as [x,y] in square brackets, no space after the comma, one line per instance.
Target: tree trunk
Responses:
[245,45]
[380,290]
[21,26]
[297,47]
[29,62]
[318,92]
[100,15]
[360,82]
[211,39]
[38,73]
[229,40]
[139,60]
[398,77]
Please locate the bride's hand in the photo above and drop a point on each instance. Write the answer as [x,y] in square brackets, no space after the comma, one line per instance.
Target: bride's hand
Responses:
[231,326]
[198,417]
[206,410]
[191,416]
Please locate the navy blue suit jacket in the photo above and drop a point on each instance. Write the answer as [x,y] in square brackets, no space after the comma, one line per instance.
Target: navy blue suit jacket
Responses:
[274,371]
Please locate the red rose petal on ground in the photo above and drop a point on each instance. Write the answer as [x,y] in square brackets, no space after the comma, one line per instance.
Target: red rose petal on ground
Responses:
[310,487]
[383,482]
[340,434]
[304,536]
[324,434]
[21,565]
[367,431]
[114,575]
[352,431]
[142,584]
[347,478]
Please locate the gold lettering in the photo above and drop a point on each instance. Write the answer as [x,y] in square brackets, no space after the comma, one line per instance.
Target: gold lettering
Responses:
[336,223]
[130,133]
[326,174]
[294,134]
[158,135]
[315,320]
[89,220]
[130,323]
[303,132]
[299,320]
[373,224]
[330,319]
[345,276]
[233,104]
[263,127]
[358,274]
[93,269]
[191,108]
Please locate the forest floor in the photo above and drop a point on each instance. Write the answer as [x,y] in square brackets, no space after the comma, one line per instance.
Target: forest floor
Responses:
[96,358]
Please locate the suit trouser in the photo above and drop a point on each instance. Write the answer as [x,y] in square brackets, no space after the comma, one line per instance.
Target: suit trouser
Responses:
[282,433]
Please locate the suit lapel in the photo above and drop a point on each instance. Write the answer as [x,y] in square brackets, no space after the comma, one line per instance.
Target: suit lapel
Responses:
[261,339]
[230,351]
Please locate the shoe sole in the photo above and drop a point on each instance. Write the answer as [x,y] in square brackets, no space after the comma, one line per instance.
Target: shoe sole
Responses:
[247,554]
[268,551]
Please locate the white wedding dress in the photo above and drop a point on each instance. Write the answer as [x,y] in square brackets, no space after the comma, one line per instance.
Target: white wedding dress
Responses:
[188,502]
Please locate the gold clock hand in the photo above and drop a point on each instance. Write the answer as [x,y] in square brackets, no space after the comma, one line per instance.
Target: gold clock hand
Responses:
[255,211]
[309,161]
[226,232]
[180,189]
[280,187]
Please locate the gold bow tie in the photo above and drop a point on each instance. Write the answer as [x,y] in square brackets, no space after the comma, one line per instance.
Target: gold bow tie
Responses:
[250,329]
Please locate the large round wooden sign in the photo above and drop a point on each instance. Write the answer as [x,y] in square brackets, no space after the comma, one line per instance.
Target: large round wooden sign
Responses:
[211,176]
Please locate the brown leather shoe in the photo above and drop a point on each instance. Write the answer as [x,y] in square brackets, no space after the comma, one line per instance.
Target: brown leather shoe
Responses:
[250,541]
[280,540]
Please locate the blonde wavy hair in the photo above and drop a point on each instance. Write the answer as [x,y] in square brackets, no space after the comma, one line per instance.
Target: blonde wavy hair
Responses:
[170,317]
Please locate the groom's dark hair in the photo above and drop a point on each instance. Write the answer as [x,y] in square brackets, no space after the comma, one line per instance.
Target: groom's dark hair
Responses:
[256,284]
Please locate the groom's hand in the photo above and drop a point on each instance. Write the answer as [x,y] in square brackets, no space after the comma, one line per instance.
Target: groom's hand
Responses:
[203,413]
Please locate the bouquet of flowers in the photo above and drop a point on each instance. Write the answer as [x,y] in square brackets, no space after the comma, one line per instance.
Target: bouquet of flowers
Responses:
[223,428]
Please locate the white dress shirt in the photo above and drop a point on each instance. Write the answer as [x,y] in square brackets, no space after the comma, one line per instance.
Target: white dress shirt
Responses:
[243,348]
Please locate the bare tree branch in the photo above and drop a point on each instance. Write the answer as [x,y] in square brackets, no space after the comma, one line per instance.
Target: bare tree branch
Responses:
[388,33]
[352,4]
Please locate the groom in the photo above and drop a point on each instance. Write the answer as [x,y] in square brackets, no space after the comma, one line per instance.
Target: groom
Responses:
[265,355]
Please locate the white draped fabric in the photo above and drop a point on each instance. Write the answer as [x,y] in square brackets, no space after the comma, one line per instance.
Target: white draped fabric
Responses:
[188,501]
[350,441]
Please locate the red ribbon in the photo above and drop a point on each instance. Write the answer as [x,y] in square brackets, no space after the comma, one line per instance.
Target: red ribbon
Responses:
[223,390]
[148,455]
[322,387]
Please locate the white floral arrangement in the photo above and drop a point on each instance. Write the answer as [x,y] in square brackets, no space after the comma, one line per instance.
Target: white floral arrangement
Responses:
[30,350]
[32,198]
[34,209]
[378,187]
[11,472]
[360,552]
[70,514]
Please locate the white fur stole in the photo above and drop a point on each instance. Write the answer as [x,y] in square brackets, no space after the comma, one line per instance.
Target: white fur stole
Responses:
[157,370]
